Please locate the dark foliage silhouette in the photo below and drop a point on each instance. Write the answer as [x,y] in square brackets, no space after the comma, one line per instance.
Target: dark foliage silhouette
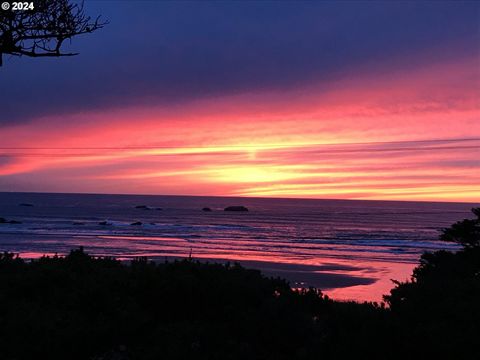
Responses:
[465,232]
[437,312]
[80,307]
[41,31]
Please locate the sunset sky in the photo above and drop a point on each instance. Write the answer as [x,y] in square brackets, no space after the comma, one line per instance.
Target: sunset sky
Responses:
[350,100]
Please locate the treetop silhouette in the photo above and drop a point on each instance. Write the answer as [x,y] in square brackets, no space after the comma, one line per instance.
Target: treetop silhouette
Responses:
[465,232]
[42,31]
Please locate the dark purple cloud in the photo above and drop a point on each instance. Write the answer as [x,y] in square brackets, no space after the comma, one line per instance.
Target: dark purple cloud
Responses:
[165,52]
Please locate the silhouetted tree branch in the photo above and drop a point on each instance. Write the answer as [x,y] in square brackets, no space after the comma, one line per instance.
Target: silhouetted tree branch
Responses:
[41,32]
[465,232]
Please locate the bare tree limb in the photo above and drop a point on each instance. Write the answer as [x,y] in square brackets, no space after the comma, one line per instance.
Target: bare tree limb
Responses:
[42,31]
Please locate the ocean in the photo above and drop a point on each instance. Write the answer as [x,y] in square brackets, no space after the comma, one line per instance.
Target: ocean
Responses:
[351,249]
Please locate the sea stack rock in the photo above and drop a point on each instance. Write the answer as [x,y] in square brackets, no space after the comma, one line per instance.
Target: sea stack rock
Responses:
[5,221]
[144,207]
[103,223]
[206,209]
[136,223]
[236,208]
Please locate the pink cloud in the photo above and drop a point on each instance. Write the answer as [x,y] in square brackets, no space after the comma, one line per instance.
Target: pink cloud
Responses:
[270,143]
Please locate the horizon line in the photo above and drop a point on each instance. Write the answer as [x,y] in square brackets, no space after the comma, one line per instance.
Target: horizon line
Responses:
[241,197]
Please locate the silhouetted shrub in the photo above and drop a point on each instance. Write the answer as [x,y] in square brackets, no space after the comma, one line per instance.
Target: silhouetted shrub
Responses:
[465,232]
[437,312]
[80,307]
